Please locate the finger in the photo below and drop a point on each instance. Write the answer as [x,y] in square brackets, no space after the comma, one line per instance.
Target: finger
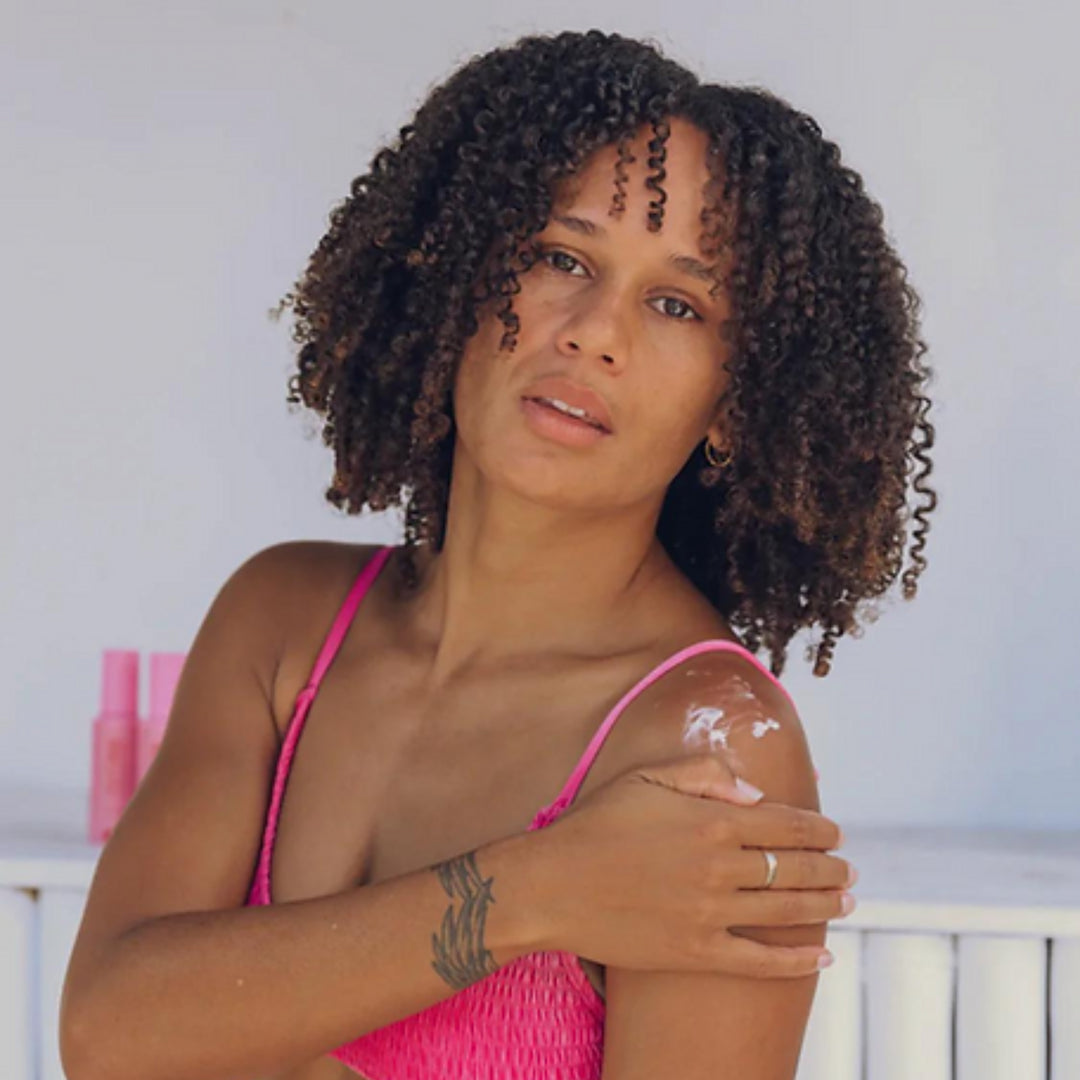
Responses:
[706,775]
[787,907]
[794,870]
[777,825]
[744,956]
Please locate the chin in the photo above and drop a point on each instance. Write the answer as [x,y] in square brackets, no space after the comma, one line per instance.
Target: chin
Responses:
[563,485]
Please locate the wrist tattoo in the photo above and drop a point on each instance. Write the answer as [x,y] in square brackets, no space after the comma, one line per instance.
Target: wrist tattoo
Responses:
[460,956]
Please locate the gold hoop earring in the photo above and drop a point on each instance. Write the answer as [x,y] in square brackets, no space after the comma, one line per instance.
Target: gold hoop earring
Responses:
[710,450]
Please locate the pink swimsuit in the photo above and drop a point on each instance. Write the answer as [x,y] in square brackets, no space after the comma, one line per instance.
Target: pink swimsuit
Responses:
[535,1017]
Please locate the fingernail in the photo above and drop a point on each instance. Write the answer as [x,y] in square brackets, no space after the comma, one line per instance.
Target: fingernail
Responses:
[824,960]
[847,903]
[748,789]
[852,875]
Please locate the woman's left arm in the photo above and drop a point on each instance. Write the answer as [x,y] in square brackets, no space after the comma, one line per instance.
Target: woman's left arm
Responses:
[706,1026]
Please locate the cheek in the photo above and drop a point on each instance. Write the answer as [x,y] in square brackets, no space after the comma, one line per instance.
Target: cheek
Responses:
[484,400]
[680,394]
[467,395]
[487,376]
[481,353]
[673,421]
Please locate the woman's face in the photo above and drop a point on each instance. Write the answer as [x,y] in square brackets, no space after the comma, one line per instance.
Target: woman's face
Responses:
[608,309]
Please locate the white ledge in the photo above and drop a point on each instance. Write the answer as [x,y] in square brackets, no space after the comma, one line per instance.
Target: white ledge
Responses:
[911,879]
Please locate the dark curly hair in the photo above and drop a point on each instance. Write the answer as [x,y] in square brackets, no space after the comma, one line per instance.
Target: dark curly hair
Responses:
[825,382]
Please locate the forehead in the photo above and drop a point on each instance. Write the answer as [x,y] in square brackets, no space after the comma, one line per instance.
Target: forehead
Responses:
[591,189]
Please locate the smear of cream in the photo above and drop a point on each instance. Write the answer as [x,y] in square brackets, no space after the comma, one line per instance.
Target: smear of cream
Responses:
[713,724]
[706,724]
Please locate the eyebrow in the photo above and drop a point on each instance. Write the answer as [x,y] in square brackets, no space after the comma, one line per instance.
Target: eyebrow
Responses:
[687,264]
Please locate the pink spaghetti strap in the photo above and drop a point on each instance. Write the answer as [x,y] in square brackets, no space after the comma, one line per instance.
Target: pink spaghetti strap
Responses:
[344,617]
[566,796]
[338,629]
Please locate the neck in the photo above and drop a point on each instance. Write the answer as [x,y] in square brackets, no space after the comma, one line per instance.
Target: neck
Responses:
[515,580]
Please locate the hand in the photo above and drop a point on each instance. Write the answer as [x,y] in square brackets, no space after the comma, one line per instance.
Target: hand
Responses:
[652,870]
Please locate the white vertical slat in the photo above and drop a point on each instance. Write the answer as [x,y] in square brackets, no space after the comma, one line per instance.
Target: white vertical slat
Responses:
[1000,1008]
[17,973]
[1064,1008]
[832,1048]
[60,914]
[909,1001]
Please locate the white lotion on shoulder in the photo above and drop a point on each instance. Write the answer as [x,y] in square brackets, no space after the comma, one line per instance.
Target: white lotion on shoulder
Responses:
[713,724]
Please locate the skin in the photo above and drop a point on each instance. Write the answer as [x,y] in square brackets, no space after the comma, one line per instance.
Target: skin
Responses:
[551,550]
[550,597]
[529,519]
[448,717]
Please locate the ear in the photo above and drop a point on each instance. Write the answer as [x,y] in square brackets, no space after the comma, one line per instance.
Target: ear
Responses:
[717,434]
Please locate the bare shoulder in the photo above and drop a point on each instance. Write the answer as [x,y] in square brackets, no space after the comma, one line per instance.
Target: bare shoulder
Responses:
[719,700]
[308,581]
[189,839]
[690,1023]
[297,567]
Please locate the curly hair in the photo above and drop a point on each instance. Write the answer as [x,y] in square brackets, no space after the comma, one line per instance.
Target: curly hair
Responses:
[824,403]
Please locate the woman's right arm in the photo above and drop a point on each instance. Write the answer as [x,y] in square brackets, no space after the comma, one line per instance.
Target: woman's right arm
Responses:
[170,974]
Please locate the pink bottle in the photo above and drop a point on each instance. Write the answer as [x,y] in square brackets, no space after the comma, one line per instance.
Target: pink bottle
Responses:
[165,671]
[112,770]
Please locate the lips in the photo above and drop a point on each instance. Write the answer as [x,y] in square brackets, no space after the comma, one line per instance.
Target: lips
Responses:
[567,416]
[575,395]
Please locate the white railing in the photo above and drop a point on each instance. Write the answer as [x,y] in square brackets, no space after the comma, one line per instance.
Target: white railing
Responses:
[961,962]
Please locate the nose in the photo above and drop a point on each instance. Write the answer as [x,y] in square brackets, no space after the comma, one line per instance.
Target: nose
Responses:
[596,329]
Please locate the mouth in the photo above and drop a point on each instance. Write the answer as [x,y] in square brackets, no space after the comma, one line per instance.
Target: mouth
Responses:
[576,416]
[553,425]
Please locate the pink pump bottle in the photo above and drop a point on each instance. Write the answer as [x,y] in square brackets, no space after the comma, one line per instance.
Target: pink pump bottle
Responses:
[112,770]
[165,671]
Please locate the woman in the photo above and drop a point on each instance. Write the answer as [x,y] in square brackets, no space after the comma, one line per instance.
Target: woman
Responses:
[637,352]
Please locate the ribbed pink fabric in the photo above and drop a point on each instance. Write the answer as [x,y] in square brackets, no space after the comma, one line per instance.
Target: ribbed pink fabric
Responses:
[537,1017]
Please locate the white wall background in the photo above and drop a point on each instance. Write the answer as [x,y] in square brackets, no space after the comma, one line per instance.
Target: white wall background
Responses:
[166,169]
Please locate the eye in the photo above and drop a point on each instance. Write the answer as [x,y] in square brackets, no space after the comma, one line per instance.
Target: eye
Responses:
[551,254]
[687,313]
[694,316]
